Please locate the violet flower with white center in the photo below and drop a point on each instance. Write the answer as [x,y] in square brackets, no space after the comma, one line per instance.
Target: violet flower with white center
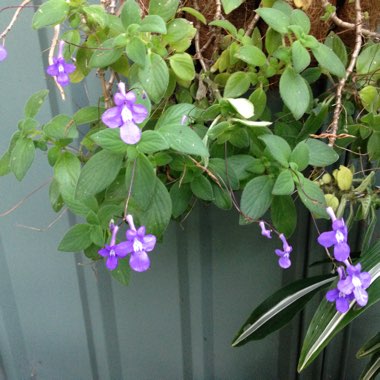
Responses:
[125,115]
[60,68]
[138,244]
[264,231]
[284,260]
[342,300]
[355,283]
[113,252]
[337,237]
[3,53]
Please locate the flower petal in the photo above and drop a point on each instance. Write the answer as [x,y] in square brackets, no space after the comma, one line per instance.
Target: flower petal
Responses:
[149,242]
[105,252]
[332,295]
[112,262]
[52,70]
[139,113]
[131,234]
[278,252]
[141,231]
[327,239]
[130,133]
[345,286]
[122,249]
[112,117]
[341,251]
[119,99]
[342,304]
[3,53]
[361,296]
[284,262]
[63,79]
[139,261]
[365,278]
[69,68]
[130,97]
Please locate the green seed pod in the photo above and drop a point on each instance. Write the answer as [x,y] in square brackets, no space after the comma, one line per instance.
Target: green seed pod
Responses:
[332,201]
[326,178]
[344,178]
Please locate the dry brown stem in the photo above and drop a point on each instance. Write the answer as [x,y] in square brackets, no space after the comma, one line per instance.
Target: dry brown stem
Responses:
[339,91]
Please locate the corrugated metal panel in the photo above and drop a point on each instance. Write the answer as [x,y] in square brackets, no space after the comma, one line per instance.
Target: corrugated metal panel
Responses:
[62,318]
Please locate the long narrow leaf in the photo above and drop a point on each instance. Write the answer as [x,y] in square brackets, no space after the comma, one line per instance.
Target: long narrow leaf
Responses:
[372,369]
[280,308]
[327,322]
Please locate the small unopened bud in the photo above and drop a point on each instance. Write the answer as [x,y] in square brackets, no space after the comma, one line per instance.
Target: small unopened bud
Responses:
[326,178]
[332,201]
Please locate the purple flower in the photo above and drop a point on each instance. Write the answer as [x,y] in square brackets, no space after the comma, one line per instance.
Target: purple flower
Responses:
[337,237]
[125,115]
[264,231]
[355,283]
[3,53]
[342,300]
[138,244]
[113,251]
[60,69]
[284,260]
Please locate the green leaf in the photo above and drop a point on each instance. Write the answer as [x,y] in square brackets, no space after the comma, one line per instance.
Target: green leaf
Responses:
[300,57]
[183,139]
[99,172]
[136,51]
[284,214]
[225,173]
[222,198]
[237,84]
[5,161]
[105,55]
[153,24]
[55,197]
[180,196]
[122,273]
[66,173]
[373,146]
[51,12]
[28,125]
[294,92]
[257,197]
[278,148]
[164,8]
[328,60]
[201,188]
[312,197]
[370,347]
[130,13]
[179,35]
[276,19]
[273,40]
[320,154]
[284,184]
[183,66]
[141,172]
[76,238]
[327,321]
[334,42]
[60,127]
[300,155]
[34,103]
[175,114]
[226,25]
[110,139]
[151,142]
[243,106]
[372,369]
[22,156]
[157,215]
[300,18]
[259,100]
[370,98]
[369,60]
[97,14]
[87,115]
[198,15]
[154,77]
[230,5]
[277,310]
[251,55]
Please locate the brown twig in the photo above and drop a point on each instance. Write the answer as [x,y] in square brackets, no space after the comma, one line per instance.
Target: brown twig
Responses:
[14,18]
[44,229]
[218,11]
[348,25]
[355,53]
[199,55]
[252,24]
[53,45]
[106,95]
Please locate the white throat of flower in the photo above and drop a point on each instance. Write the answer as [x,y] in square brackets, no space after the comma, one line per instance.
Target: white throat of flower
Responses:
[137,245]
[126,114]
[339,236]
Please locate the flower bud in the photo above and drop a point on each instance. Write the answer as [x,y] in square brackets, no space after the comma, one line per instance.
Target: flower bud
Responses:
[332,201]
[326,178]
[344,178]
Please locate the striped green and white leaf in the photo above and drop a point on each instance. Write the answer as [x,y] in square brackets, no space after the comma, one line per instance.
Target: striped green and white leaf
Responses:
[372,369]
[370,347]
[327,322]
[277,310]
